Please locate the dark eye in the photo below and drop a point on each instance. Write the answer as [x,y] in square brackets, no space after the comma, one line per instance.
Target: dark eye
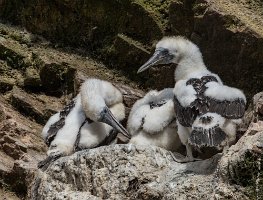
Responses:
[104,110]
[165,51]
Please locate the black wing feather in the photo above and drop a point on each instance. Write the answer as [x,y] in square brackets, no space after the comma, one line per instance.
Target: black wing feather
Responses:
[229,109]
[54,128]
[212,137]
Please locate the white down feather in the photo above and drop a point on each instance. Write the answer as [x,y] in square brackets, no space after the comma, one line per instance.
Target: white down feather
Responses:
[156,126]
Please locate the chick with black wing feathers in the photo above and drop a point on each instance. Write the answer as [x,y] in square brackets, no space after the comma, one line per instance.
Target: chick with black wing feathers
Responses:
[207,111]
[90,120]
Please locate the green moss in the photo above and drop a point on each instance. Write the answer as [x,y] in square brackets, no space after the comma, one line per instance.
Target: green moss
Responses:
[17,37]
[12,58]
[248,172]
[159,8]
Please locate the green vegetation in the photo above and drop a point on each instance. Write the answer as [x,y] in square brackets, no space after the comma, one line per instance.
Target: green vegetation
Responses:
[249,174]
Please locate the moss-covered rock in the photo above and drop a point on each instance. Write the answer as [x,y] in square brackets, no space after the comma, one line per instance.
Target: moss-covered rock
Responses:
[13,54]
[88,23]
[6,84]
[32,79]
[242,164]
[38,57]
[57,78]
[249,173]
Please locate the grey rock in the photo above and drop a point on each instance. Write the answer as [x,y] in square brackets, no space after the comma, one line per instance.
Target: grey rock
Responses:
[258,106]
[134,172]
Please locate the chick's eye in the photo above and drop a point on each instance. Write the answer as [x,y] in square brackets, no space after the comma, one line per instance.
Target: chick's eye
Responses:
[165,51]
[104,110]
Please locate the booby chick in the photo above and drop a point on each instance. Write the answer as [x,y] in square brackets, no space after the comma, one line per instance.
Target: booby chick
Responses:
[152,121]
[90,120]
[207,111]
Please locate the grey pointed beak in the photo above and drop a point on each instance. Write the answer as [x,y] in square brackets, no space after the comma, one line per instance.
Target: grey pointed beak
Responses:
[159,57]
[108,118]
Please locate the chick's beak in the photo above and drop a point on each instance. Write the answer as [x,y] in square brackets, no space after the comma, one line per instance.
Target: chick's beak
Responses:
[158,57]
[108,118]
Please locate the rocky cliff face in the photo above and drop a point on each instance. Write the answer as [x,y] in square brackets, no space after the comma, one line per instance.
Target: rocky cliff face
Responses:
[122,33]
[39,76]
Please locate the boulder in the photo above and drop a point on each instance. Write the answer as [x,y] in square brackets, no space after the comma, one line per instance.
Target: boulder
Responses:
[32,79]
[133,172]
[57,78]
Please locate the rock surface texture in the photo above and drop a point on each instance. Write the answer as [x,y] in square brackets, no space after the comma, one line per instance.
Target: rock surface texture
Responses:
[141,172]
[125,172]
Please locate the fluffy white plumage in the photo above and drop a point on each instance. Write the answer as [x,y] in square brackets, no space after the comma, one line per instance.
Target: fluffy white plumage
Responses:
[186,93]
[152,121]
[198,92]
[94,96]
[66,136]
[186,54]
[92,134]
[223,92]
[217,119]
